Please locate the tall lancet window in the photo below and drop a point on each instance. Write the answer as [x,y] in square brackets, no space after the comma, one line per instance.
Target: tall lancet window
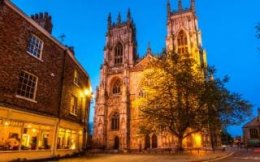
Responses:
[182,43]
[118,54]
[117,87]
[115,121]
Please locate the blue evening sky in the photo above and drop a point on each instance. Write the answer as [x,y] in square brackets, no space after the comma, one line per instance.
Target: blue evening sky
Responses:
[228,30]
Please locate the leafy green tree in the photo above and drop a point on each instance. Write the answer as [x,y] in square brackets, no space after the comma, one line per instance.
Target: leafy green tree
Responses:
[171,86]
[182,98]
[224,108]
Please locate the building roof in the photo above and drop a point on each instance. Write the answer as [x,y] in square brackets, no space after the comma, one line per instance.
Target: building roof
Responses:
[253,123]
[43,31]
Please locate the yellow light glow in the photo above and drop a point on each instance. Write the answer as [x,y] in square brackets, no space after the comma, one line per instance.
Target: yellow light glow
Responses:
[88,92]
[34,130]
[6,123]
[197,140]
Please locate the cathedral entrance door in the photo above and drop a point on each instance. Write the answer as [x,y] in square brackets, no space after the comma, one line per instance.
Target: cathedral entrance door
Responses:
[116,143]
[154,141]
[147,142]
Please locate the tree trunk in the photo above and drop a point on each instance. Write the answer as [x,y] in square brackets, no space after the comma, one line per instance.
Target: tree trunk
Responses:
[179,145]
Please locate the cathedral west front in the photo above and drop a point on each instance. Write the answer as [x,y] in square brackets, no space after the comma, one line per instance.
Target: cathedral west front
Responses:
[116,120]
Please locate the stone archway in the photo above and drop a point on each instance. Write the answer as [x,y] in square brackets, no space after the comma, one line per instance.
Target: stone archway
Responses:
[154,141]
[116,143]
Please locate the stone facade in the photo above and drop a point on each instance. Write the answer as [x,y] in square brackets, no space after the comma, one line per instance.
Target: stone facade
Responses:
[123,68]
[56,70]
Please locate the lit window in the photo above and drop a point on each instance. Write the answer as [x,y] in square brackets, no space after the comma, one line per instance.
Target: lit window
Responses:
[118,54]
[67,139]
[76,77]
[182,41]
[27,85]
[117,87]
[74,106]
[115,122]
[35,46]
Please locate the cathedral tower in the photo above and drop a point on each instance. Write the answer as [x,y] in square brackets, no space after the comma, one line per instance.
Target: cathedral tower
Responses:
[183,34]
[111,127]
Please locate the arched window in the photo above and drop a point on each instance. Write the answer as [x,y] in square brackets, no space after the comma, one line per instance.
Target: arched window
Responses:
[118,54]
[116,87]
[115,121]
[182,43]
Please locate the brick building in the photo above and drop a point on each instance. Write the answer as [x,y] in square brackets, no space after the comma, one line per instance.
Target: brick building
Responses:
[251,132]
[116,121]
[44,91]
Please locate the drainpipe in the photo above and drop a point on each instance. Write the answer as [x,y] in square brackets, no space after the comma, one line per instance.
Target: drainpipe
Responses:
[59,106]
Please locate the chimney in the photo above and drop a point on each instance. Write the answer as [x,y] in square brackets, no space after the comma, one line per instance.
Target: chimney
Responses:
[44,20]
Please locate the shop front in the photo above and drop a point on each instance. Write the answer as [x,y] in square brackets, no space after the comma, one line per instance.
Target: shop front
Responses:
[28,136]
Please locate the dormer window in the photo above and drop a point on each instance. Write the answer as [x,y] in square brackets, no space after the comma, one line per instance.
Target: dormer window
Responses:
[118,54]
[35,46]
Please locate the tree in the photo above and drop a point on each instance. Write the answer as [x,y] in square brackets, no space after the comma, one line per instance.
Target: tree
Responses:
[180,98]
[171,86]
[226,137]
[224,108]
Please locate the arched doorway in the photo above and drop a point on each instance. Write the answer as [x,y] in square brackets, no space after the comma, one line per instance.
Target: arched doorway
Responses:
[147,142]
[116,143]
[154,141]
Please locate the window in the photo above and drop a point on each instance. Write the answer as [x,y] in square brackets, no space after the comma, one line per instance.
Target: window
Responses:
[76,77]
[254,133]
[74,106]
[18,135]
[35,46]
[67,139]
[182,43]
[117,87]
[115,122]
[118,54]
[27,85]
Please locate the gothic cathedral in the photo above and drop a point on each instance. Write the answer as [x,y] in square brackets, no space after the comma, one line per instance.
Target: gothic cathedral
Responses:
[116,121]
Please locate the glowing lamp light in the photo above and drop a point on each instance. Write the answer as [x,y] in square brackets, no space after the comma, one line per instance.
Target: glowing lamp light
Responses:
[6,123]
[34,130]
[88,92]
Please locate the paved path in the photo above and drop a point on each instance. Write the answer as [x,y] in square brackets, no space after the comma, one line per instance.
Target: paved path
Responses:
[243,156]
[143,158]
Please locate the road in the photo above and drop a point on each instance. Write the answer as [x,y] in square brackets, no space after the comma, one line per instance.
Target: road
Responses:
[243,156]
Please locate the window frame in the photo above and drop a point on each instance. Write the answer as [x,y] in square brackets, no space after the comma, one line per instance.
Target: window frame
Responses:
[115,122]
[76,75]
[182,43]
[41,50]
[118,54]
[74,113]
[35,88]
[116,90]
[254,133]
